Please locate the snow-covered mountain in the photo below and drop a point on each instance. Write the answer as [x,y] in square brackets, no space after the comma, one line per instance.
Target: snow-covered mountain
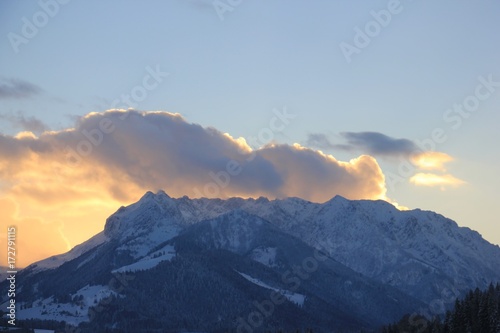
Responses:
[214,260]
[420,252]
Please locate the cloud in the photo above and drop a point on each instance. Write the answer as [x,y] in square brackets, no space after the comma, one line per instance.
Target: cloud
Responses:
[431,160]
[81,175]
[378,144]
[320,141]
[315,176]
[430,179]
[160,150]
[29,124]
[372,143]
[15,88]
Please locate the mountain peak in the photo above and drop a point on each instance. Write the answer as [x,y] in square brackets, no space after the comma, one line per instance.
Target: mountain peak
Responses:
[149,195]
[153,213]
[339,200]
[162,193]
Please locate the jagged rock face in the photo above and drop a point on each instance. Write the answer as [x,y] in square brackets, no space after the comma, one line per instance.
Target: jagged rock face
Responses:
[376,255]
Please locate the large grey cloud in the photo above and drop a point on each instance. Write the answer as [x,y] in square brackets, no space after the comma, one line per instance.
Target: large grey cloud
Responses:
[137,151]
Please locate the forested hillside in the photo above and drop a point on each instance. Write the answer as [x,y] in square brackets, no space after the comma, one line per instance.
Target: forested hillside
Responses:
[478,312]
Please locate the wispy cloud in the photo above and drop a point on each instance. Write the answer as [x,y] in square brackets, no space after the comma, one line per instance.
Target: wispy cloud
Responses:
[379,144]
[31,124]
[320,141]
[431,179]
[431,160]
[373,143]
[17,89]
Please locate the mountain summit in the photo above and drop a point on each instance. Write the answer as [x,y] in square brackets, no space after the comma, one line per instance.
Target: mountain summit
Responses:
[175,264]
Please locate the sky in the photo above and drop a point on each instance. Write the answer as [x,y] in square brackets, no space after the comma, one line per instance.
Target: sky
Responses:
[101,101]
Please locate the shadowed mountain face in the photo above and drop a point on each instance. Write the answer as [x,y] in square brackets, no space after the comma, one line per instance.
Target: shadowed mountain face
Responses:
[254,265]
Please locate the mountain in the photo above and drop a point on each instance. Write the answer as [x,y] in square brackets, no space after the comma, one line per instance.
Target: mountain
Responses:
[180,264]
[419,252]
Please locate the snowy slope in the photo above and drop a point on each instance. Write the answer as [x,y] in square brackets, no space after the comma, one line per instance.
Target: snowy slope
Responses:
[265,255]
[73,313]
[164,254]
[58,260]
[295,298]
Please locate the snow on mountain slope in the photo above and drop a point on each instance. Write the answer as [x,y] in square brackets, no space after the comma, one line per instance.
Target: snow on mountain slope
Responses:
[265,255]
[58,260]
[164,254]
[74,312]
[295,298]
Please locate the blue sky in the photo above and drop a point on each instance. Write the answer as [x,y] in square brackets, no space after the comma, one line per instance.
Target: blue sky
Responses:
[231,73]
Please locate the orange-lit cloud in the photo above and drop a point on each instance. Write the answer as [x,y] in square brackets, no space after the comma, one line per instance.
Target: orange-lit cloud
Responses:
[431,179]
[431,160]
[71,180]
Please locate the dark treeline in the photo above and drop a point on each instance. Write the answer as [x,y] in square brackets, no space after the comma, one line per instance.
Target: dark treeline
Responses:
[478,312]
